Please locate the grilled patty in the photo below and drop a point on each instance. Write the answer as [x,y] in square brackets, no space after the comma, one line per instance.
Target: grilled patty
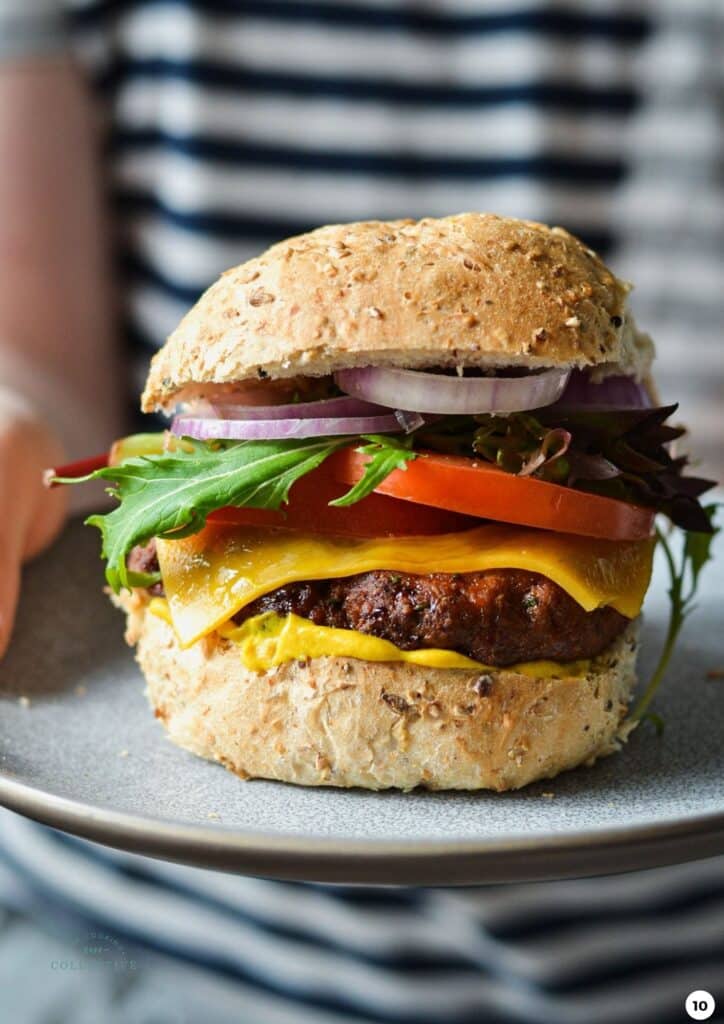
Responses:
[499,617]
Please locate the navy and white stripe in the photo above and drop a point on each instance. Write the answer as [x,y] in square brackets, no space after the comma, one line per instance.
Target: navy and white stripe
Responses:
[587,952]
[623,948]
[234,123]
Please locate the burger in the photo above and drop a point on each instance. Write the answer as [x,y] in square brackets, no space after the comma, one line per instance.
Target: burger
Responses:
[401,525]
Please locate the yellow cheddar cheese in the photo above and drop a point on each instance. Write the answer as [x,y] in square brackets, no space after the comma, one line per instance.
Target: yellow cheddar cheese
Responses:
[210,576]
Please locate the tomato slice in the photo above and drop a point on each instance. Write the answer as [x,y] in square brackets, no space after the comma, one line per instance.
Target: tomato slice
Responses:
[479,489]
[374,516]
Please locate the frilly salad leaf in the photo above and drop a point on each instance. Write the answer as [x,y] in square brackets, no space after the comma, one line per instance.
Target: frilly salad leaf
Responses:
[386,454]
[170,495]
[618,453]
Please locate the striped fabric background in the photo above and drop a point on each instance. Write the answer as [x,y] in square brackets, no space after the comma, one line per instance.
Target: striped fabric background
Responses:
[190,945]
[234,123]
[230,124]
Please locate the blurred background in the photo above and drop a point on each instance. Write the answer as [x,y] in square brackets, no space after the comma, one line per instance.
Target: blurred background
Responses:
[230,126]
[208,129]
[227,125]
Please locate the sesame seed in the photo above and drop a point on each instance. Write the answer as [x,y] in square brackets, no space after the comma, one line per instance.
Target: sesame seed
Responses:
[395,702]
[573,321]
[483,685]
[374,312]
[260,298]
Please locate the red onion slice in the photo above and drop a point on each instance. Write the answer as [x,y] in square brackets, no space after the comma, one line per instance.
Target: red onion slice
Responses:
[324,409]
[425,392]
[617,392]
[204,428]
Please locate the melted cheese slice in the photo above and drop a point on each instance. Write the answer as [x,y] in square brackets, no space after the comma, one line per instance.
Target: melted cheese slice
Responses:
[210,576]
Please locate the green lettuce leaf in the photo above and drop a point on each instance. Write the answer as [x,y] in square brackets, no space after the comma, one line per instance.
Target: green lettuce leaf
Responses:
[170,495]
[386,454]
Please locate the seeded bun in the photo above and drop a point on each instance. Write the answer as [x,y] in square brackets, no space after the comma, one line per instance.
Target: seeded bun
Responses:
[344,722]
[472,290]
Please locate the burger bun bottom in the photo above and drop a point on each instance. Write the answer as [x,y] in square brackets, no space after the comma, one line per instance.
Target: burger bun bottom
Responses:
[345,722]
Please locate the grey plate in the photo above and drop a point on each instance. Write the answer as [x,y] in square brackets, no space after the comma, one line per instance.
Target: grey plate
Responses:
[87,756]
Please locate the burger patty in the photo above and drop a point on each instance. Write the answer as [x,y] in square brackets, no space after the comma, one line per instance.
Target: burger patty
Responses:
[499,617]
[143,559]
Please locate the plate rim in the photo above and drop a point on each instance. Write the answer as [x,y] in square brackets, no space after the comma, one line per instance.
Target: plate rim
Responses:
[602,849]
[378,861]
